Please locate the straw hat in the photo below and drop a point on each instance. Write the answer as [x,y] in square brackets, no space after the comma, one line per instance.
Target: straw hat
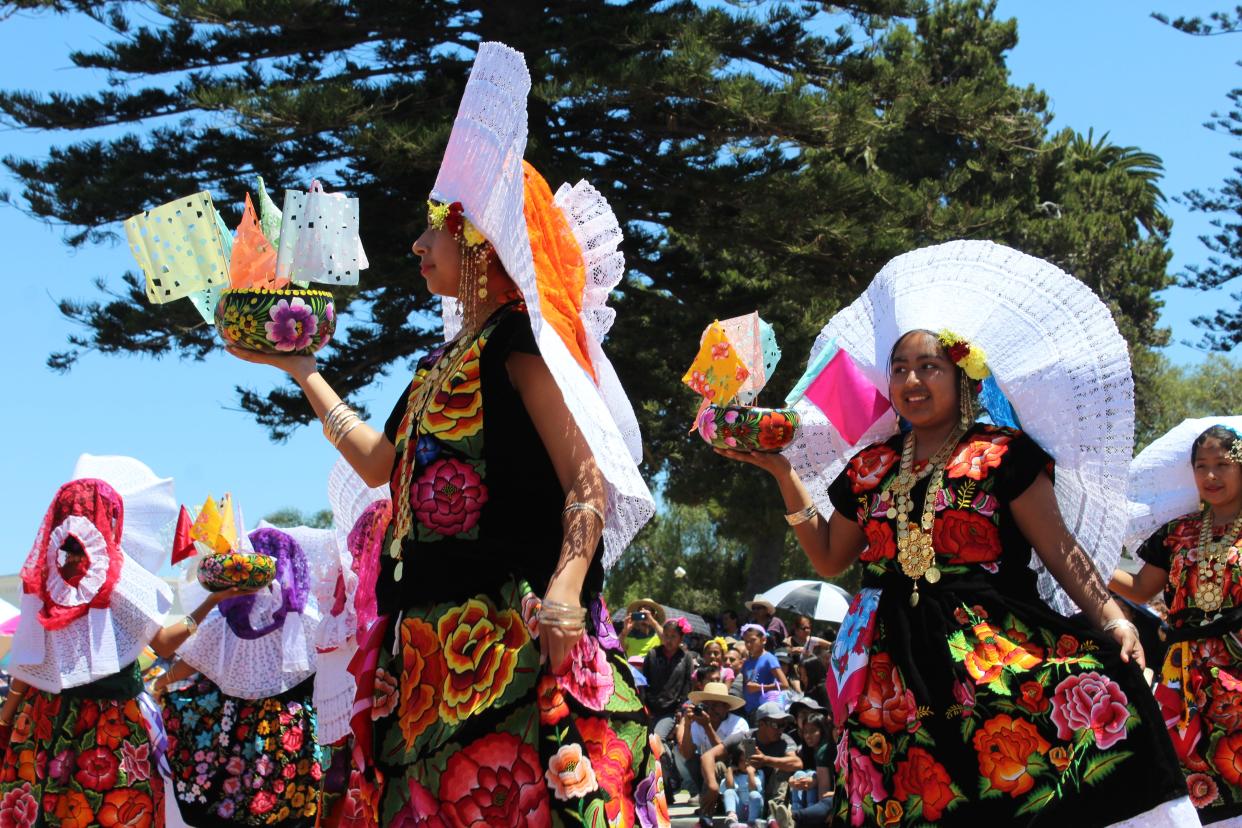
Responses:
[760,601]
[716,691]
[657,611]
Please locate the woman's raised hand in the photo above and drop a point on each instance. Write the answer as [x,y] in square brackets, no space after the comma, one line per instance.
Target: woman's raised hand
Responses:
[294,365]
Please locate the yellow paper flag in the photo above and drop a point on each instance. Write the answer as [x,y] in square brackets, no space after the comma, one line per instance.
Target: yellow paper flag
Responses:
[228,527]
[215,526]
[179,248]
[717,371]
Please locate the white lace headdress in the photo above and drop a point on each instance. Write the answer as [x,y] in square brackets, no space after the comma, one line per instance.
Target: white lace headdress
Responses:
[482,169]
[1053,349]
[1162,482]
[108,616]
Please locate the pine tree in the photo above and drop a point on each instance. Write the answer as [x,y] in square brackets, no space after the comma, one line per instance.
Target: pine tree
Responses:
[761,156]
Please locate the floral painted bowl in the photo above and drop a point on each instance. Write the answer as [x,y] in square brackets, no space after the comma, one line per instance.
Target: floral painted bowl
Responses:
[225,570]
[743,428]
[296,321]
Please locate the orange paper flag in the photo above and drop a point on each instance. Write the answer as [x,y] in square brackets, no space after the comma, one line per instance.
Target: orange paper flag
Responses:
[253,264]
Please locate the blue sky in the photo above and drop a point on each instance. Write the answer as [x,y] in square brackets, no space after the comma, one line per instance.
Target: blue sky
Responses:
[1106,65]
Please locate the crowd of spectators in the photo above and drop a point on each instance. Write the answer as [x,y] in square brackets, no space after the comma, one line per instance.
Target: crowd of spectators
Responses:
[743,713]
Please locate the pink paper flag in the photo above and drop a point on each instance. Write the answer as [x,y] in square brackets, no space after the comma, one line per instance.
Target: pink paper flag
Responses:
[849,400]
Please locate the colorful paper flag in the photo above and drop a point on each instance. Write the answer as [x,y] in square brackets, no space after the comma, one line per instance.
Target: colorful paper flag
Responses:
[717,371]
[834,384]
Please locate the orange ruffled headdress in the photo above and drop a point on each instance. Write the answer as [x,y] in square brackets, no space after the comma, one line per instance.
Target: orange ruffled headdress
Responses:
[561,251]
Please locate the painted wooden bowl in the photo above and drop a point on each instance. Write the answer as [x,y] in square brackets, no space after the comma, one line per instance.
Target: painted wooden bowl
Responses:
[294,321]
[225,570]
[745,428]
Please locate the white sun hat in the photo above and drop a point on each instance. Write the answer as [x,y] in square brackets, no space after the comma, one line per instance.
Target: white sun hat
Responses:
[1052,347]
[482,169]
[1162,483]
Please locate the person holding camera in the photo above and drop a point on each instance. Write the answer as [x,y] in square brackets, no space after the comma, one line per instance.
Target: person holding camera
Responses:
[706,720]
[641,632]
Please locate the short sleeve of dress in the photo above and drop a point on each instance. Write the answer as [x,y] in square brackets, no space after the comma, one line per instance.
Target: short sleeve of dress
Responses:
[1021,463]
[841,493]
[394,418]
[1154,550]
[513,333]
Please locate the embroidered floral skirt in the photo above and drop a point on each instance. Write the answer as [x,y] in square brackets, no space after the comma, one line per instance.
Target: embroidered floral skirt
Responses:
[243,761]
[74,760]
[470,731]
[976,708]
[1200,695]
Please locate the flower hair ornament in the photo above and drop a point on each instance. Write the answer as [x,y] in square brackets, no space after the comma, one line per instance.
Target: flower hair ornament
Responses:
[970,357]
[475,253]
[1235,450]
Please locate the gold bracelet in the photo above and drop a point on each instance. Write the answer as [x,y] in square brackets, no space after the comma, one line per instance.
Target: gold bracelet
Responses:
[801,516]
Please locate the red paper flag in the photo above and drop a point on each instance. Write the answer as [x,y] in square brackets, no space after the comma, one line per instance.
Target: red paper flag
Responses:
[183,545]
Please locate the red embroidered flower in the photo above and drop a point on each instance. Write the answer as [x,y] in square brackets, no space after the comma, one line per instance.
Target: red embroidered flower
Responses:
[966,537]
[495,780]
[18,808]
[97,769]
[867,469]
[775,430]
[127,808]
[552,706]
[422,810]
[1227,759]
[880,543]
[921,775]
[1225,710]
[614,767]
[1203,791]
[1067,646]
[1031,696]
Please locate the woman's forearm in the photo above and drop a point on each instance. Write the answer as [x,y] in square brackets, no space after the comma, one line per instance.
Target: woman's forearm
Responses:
[368,451]
[583,525]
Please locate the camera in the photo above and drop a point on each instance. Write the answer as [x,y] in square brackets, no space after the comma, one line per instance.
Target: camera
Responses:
[699,710]
[637,615]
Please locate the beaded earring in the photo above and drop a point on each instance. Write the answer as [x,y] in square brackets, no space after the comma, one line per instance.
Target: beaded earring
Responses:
[966,400]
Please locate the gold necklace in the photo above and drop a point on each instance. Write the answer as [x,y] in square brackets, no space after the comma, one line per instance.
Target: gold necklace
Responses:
[1212,556]
[915,552]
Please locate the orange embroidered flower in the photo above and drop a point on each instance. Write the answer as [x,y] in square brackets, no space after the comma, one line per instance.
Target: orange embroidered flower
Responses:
[867,469]
[480,647]
[112,729]
[26,766]
[73,810]
[552,707]
[1227,758]
[881,750]
[993,653]
[1006,747]
[977,456]
[422,675]
[1060,758]
[891,814]
[570,774]
[885,702]
[775,430]
[126,808]
[921,775]
[1031,696]
[455,411]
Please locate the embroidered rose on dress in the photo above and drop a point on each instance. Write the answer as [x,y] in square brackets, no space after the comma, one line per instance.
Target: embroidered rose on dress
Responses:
[589,677]
[885,702]
[966,537]
[977,456]
[1202,788]
[863,780]
[1007,749]
[1090,701]
[614,767]
[495,780]
[480,646]
[880,542]
[921,775]
[422,676]
[448,498]
[868,468]
[569,773]
[293,325]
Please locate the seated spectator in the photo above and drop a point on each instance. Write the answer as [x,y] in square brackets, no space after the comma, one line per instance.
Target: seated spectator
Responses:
[641,633]
[813,675]
[811,788]
[766,758]
[764,614]
[707,720]
[714,653]
[801,643]
[734,658]
[763,679]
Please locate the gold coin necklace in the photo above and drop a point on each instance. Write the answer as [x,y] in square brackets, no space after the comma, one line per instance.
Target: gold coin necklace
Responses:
[1212,558]
[915,553]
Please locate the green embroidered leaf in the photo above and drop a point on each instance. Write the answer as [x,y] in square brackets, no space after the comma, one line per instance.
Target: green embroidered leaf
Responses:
[624,698]
[427,772]
[1037,801]
[1000,684]
[393,804]
[633,734]
[968,728]
[958,647]
[522,723]
[1037,765]
[986,791]
[914,807]
[922,737]
[860,737]
[595,816]
[1099,768]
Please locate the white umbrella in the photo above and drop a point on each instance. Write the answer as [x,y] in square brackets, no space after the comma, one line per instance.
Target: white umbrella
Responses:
[818,599]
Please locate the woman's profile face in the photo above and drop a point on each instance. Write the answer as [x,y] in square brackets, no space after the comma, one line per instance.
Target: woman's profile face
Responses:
[441,260]
[922,382]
